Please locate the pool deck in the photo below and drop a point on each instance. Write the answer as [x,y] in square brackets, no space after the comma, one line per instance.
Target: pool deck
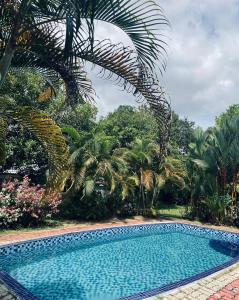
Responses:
[223,285]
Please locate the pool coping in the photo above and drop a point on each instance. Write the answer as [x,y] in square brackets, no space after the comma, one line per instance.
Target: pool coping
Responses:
[24,294]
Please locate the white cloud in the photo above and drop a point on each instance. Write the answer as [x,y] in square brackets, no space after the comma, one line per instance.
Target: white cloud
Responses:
[202,75]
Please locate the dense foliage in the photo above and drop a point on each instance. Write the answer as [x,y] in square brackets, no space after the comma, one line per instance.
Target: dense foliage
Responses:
[115,168]
[24,153]
[115,165]
[213,170]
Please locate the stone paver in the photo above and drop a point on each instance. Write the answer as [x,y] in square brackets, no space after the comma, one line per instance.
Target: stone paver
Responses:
[221,286]
[5,294]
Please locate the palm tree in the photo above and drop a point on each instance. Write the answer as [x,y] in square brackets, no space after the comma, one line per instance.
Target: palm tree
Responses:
[140,158]
[95,167]
[234,156]
[57,38]
[174,170]
[226,149]
[196,166]
[213,166]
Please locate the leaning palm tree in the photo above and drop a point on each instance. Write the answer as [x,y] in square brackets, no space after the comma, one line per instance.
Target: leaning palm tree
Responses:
[57,38]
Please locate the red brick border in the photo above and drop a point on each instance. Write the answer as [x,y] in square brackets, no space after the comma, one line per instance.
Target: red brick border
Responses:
[230,291]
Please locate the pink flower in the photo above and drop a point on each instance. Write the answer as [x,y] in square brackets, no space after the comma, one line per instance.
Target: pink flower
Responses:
[26,202]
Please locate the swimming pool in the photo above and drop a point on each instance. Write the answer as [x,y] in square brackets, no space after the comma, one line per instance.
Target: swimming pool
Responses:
[130,262]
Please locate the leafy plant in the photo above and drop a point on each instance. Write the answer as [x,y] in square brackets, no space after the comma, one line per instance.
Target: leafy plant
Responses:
[218,207]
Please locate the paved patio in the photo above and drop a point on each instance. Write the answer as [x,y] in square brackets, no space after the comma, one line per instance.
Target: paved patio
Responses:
[223,285]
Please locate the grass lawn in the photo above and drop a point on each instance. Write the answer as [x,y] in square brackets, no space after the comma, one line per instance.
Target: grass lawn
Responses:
[172,211]
[50,224]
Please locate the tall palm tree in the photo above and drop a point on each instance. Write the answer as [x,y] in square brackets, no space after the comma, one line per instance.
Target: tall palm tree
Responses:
[57,38]
[234,156]
[196,166]
[225,147]
[213,165]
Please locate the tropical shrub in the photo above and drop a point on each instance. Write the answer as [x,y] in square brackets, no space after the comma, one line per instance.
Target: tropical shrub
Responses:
[218,208]
[23,204]
[91,207]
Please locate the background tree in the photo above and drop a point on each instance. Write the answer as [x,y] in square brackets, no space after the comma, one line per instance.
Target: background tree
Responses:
[24,153]
[232,111]
[128,123]
[181,133]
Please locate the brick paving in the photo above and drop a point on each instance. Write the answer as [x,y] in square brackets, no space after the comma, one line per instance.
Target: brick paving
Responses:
[230,291]
[223,285]
[5,294]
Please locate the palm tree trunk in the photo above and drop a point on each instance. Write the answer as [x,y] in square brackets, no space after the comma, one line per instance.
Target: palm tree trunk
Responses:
[191,192]
[142,189]
[234,185]
[5,62]
[8,54]
[224,179]
[154,196]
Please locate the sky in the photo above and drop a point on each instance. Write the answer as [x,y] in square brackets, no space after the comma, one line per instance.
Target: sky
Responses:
[202,76]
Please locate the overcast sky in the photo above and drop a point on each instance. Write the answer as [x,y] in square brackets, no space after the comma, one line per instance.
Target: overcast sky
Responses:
[202,75]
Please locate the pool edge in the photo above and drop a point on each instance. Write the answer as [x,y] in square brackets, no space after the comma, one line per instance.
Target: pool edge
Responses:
[16,288]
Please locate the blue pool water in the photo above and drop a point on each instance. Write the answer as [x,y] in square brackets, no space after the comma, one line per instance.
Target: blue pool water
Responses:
[111,265]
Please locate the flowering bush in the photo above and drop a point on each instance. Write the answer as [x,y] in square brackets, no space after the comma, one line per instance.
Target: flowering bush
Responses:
[25,204]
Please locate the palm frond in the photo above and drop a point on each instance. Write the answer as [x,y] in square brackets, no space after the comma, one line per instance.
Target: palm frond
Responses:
[200,163]
[89,161]
[148,179]
[43,52]
[160,181]
[73,133]
[134,180]
[46,95]
[89,186]
[80,177]
[125,190]
[112,184]
[50,135]
[140,20]
[121,64]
